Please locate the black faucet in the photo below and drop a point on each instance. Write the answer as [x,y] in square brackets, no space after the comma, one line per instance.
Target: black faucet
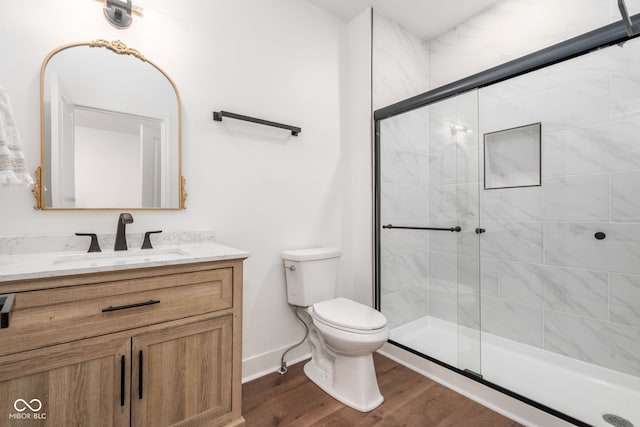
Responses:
[121,237]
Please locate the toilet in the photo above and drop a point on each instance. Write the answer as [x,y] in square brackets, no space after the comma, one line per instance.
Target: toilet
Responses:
[343,333]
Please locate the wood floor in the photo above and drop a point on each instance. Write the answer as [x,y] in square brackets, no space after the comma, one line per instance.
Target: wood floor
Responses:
[410,400]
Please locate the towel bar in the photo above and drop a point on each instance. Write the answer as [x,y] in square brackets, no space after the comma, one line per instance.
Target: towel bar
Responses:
[218,115]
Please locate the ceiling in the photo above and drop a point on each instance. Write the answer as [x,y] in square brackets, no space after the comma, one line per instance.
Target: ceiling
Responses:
[424,18]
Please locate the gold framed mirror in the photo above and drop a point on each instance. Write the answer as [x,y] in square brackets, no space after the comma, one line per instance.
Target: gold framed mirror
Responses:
[110,129]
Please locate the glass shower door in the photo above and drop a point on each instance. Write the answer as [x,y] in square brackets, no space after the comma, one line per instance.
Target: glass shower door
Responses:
[561,254]
[509,216]
[428,216]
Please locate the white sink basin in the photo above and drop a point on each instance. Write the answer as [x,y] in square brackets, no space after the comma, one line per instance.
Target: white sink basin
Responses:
[122,257]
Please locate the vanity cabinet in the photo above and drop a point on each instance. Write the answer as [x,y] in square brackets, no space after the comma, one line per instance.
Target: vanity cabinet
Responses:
[74,384]
[183,373]
[153,346]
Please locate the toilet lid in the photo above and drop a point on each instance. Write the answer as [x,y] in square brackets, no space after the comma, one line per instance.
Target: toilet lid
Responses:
[345,313]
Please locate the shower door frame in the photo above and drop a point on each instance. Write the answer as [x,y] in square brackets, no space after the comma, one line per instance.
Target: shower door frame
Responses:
[602,37]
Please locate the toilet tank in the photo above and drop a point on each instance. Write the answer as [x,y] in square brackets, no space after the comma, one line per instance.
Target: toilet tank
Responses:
[311,275]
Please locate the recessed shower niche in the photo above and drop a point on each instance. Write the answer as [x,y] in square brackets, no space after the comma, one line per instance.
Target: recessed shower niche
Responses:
[512,157]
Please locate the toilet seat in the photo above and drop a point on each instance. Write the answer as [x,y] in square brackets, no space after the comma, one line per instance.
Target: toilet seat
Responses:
[349,316]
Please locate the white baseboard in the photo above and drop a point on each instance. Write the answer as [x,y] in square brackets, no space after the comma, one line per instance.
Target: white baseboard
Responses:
[499,402]
[267,363]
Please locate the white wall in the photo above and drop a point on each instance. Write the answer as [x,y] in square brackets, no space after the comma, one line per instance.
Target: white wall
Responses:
[261,189]
[358,161]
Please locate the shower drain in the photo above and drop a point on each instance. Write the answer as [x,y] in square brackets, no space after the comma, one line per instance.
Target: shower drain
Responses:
[616,420]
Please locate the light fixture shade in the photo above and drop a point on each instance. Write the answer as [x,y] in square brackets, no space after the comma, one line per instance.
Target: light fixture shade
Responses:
[118,13]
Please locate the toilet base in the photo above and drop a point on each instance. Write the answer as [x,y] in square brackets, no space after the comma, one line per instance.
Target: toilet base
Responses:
[352,382]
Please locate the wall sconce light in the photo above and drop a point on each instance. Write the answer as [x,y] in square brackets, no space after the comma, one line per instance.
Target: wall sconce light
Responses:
[118,12]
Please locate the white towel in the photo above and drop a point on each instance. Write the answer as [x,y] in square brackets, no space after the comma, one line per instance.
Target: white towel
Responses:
[12,167]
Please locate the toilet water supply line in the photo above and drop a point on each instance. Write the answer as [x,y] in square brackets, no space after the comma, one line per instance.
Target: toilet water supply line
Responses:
[283,363]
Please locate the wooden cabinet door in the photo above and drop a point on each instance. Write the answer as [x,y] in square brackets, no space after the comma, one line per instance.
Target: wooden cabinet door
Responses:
[84,383]
[182,376]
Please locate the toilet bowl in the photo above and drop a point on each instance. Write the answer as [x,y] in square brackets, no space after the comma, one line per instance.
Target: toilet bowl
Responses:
[343,333]
[344,368]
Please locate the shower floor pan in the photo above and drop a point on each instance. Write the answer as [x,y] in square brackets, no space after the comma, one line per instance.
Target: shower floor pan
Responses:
[579,389]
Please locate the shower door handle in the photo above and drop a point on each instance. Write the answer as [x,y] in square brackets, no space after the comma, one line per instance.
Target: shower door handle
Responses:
[457,228]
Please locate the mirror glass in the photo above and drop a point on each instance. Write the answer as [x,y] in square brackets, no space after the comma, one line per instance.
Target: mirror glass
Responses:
[110,130]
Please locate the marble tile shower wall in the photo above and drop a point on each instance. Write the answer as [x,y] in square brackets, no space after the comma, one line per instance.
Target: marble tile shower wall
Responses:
[453,195]
[546,281]
[404,199]
[513,28]
[400,63]
[400,66]
[425,154]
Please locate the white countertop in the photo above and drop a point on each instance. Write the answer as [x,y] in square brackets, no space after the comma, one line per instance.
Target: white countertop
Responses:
[49,264]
